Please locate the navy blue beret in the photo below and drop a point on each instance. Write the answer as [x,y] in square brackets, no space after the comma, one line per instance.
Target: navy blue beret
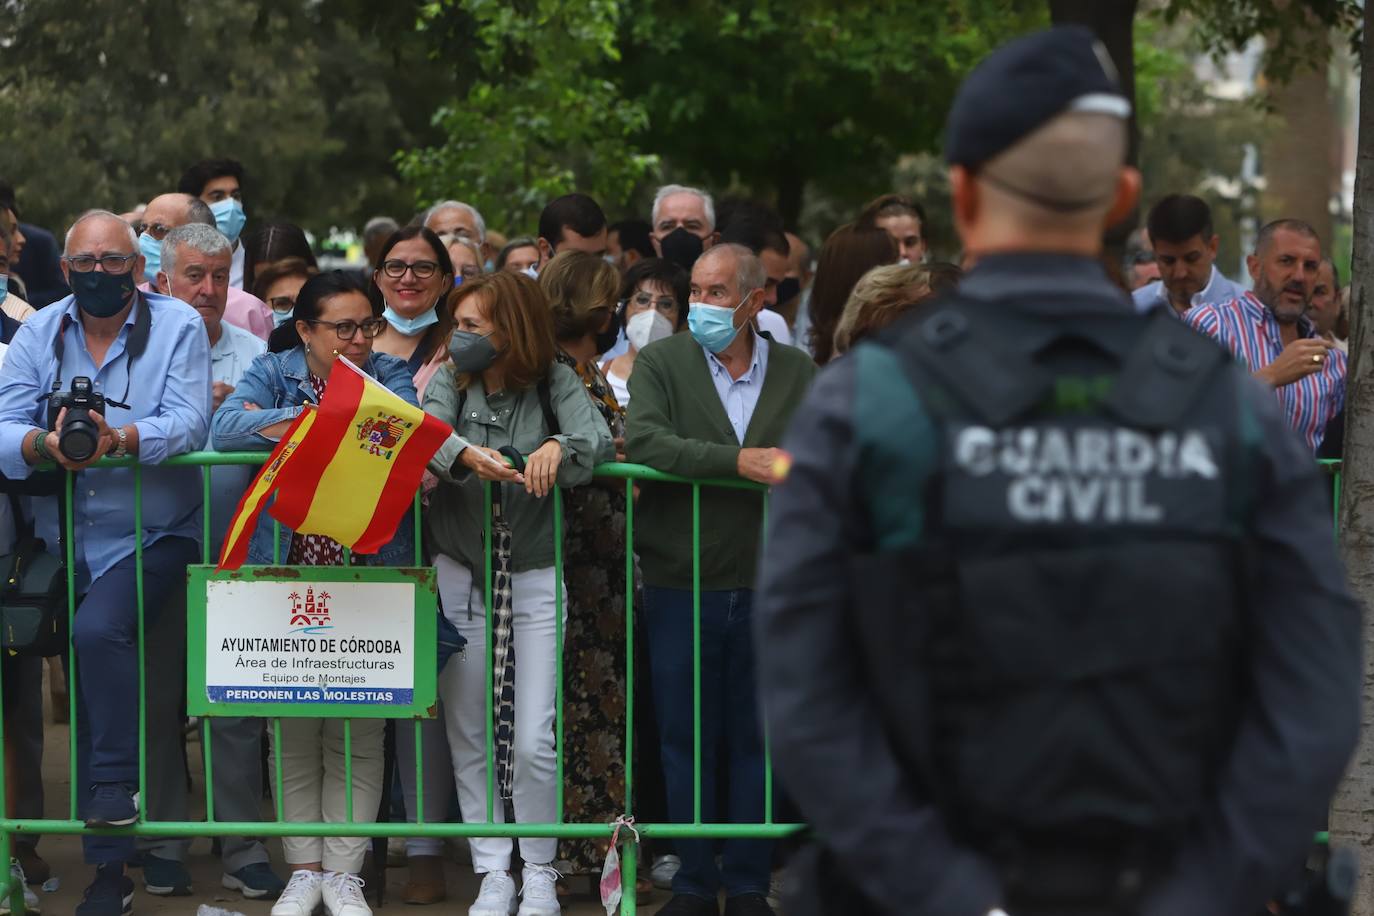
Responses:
[1026,83]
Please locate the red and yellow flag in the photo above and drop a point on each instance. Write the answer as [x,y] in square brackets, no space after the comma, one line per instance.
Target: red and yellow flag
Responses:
[349,471]
[235,549]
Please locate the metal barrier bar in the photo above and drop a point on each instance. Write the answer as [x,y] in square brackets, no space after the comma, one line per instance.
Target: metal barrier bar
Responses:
[631,474]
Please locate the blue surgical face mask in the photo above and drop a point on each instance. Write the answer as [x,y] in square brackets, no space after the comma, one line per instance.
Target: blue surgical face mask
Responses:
[281,318]
[410,326]
[151,249]
[712,326]
[532,272]
[4,286]
[229,218]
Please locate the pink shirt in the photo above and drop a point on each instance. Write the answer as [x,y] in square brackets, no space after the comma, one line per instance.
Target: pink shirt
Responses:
[248,312]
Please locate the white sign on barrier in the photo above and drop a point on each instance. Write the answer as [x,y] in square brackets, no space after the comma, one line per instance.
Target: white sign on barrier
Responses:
[309,643]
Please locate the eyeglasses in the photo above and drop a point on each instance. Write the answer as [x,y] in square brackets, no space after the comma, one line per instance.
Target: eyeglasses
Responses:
[396,269]
[346,329]
[282,304]
[110,263]
[664,304]
[157,230]
[468,271]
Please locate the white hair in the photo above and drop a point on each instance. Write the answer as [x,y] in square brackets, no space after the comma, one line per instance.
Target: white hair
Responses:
[458,205]
[749,272]
[668,190]
[198,237]
[99,214]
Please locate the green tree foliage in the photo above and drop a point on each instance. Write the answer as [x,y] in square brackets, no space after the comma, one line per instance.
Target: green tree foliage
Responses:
[538,114]
[106,104]
[1286,25]
[781,96]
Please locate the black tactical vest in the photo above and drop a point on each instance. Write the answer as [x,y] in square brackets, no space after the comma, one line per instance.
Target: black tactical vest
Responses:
[1057,653]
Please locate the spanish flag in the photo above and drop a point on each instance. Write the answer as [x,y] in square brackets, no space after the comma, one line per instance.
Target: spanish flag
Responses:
[348,469]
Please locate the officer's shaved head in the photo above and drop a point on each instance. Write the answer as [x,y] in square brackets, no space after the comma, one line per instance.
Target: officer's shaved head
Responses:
[1064,174]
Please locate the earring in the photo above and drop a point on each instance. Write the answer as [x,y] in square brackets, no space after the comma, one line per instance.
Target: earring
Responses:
[307,347]
[336,352]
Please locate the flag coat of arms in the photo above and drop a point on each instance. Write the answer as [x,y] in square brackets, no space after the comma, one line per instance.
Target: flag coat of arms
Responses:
[348,469]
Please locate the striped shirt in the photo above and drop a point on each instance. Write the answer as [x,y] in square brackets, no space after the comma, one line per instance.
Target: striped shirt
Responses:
[1247,328]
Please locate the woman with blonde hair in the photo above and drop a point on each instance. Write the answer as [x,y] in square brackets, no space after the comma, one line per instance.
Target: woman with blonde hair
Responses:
[885,294]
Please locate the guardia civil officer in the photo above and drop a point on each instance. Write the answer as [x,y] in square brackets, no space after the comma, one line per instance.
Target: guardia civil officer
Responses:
[1074,638]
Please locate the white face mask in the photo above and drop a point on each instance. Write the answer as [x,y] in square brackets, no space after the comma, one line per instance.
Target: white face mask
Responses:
[647,327]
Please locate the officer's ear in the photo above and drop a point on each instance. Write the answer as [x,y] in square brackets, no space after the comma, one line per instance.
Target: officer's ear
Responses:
[963,192]
[1127,195]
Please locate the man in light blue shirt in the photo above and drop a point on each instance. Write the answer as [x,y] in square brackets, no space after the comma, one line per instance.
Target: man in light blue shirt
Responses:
[1185,247]
[149,356]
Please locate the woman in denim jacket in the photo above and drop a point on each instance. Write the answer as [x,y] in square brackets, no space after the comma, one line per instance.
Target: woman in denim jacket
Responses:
[333,318]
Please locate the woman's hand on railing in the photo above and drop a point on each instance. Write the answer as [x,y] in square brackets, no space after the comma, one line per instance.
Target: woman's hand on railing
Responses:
[541,468]
[488,464]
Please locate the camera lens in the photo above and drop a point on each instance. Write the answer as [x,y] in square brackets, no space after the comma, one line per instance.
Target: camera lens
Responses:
[78,436]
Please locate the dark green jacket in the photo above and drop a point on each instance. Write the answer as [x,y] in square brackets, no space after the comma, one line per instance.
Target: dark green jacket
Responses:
[676,424]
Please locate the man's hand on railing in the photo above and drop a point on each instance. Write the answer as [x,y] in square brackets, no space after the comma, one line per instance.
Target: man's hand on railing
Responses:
[106,441]
[759,465]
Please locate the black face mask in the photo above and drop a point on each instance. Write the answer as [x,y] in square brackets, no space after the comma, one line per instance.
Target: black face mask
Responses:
[607,338]
[789,288]
[681,247]
[102,295]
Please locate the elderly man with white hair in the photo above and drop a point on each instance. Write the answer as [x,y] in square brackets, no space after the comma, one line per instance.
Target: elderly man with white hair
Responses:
[149,356]
[455,218]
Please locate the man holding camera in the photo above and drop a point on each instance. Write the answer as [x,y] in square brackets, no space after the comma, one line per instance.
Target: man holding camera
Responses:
[112,371]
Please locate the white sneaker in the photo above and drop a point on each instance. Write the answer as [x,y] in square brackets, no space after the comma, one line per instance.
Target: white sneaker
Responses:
[663,871]
[497,896]
[539,895]
[343,895]
[303,893]
[31,904]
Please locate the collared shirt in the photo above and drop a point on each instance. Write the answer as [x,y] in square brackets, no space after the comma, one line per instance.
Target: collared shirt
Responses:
[230,357]
[1218,291]
[1247,328]
[739,396]
[233,353]
[168,390]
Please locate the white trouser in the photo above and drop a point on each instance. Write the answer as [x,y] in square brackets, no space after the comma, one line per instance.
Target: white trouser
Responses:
[463,687]
[314,789]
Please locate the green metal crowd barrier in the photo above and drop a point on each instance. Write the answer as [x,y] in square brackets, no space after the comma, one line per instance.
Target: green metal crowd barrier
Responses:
[630,474]
[629,840]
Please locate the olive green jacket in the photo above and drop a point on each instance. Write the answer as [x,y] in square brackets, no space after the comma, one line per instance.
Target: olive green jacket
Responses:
[454,523]
[677,424]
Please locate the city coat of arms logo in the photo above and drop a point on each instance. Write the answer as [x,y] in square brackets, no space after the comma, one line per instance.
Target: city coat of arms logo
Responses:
[311,611]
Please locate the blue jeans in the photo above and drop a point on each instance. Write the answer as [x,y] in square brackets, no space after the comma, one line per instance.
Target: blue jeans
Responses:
[731,739]
[105,638]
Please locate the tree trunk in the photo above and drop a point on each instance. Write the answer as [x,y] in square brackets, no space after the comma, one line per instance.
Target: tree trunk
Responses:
[1113,21]
[1350,814]
[1298,168]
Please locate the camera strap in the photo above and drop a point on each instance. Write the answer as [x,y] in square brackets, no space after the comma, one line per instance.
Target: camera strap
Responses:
[137,343]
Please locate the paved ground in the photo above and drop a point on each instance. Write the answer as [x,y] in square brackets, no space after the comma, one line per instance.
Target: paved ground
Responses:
[64,855]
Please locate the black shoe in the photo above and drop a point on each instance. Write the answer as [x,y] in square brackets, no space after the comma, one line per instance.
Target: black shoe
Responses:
[689,905]
[165,877]
[748,905]
[110,894]
[112,804]
[36,871]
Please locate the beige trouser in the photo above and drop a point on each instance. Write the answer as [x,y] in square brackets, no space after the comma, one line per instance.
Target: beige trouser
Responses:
[314,788]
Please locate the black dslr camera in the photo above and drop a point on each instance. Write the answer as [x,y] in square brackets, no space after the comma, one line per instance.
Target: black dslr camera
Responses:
[79,436]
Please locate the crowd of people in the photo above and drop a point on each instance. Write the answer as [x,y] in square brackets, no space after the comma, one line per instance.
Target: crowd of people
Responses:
[683,342]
